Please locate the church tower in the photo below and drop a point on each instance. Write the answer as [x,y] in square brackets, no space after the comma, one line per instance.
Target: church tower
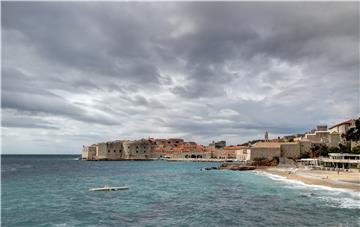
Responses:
[266,136]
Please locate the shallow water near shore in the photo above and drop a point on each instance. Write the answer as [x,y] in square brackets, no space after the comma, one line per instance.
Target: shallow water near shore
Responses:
[338,197]
[54,191]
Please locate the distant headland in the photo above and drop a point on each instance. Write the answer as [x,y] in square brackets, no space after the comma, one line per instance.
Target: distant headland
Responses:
[285,149]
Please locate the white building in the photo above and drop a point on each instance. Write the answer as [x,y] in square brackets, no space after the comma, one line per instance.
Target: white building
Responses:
[341,160]
[342,127]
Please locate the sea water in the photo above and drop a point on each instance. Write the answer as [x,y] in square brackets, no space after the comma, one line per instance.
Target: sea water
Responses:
[54,191]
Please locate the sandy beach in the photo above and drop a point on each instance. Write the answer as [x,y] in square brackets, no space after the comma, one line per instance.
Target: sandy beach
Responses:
[345,180]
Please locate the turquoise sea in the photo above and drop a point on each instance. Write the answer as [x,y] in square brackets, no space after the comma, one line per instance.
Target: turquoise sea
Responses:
[54,191]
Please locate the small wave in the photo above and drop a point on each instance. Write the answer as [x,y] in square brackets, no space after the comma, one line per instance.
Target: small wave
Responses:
[15,167]
[335,197]
[300,184]
[333,201]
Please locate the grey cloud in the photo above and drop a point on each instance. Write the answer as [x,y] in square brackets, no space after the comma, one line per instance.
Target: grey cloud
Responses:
[52,105]
[64,37]
[171,68]
[201,89]
[253,117]
[21,92]
[27,125]
[12,121]
[275,31]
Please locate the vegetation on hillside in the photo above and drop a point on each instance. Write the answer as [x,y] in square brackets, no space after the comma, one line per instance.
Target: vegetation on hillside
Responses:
[353,134]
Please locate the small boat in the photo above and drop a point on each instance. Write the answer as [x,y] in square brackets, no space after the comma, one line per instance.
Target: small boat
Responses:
[108,188]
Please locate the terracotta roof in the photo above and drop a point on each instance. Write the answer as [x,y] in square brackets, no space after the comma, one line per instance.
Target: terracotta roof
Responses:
[267,144]
[349,122]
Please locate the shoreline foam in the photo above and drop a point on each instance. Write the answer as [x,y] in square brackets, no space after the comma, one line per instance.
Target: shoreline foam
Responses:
[334,197]
[318,179]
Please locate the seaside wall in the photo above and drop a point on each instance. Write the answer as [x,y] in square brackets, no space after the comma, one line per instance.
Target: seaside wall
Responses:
[142,149]
[290,150]
[89,152]
[118,150]
[101,151]
[264,152]
[115,150]
[305,146]
[137,149]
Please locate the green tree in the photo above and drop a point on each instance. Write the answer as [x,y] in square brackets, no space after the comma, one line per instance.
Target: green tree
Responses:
[315,151]
[353,134]
[345,148]
[334,150]
[314,147]
[324,150]
[356,150]
[305,155]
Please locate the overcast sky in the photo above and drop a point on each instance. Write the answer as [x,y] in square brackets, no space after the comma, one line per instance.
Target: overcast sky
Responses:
[80,73]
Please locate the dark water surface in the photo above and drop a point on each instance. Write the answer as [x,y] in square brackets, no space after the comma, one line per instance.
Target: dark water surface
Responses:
[54,191]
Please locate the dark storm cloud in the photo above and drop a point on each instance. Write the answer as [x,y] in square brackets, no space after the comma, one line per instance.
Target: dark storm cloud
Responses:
[196,69]
[296,33]
[69,35]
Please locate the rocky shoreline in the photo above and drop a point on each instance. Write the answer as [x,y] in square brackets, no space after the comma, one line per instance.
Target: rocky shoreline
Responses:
[231,166]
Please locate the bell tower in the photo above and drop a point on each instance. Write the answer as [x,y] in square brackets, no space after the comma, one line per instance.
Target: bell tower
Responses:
[266,136]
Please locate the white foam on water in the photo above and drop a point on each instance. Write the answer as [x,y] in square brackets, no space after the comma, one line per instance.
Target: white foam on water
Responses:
[16,167]
[300,184]
[341,202]
[335,197]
